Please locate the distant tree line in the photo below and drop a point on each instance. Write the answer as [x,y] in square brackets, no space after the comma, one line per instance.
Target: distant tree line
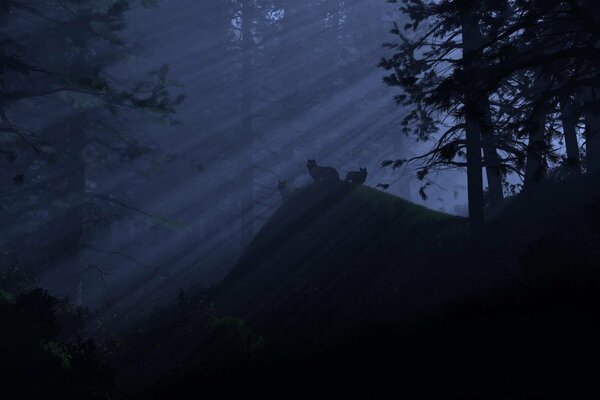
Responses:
[508,87]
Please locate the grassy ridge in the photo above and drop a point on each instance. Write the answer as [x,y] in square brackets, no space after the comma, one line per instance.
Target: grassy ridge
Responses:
[334,254]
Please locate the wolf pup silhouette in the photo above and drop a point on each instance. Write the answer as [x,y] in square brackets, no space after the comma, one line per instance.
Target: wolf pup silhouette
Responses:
[322,174]
[359,177]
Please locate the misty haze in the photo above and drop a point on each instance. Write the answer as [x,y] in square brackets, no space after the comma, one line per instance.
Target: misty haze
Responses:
[269,197]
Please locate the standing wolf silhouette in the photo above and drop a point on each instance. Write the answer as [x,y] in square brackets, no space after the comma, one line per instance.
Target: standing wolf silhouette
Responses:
[359,177]
[322,174]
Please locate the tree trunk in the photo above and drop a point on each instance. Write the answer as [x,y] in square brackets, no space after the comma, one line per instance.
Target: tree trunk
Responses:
[493,163]
[535,166]
[569,122]
[591,96]
[245,173]
[470,34]
[592,129]
[474,40]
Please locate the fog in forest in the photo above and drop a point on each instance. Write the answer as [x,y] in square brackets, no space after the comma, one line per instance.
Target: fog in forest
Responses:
[172,214]
[199,194]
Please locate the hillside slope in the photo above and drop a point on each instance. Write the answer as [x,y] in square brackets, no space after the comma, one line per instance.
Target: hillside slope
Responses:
[330,257]
[333,255]
[342,255]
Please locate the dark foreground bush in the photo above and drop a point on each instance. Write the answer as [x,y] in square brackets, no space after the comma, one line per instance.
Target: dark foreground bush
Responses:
[536,341]
[35,363]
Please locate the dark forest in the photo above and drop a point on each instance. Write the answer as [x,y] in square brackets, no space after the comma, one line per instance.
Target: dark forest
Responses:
[276,198]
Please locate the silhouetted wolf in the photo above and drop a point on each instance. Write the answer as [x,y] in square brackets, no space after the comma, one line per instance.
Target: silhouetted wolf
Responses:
[358,177]
[284,190]
[322,174]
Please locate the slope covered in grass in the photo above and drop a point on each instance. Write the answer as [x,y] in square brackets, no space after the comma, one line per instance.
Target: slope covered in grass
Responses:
[329,257]
[337,254]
